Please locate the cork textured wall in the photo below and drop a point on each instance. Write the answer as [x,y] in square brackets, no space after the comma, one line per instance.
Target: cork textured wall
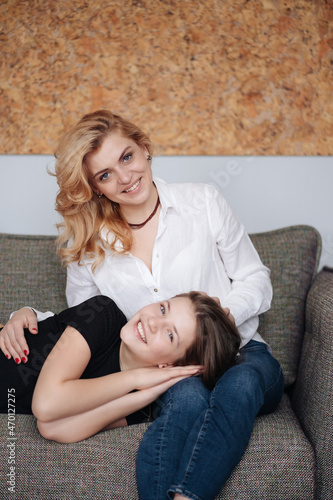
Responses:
[215,77]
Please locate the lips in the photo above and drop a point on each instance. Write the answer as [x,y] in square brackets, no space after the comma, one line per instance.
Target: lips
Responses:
[141,332]
[133,187]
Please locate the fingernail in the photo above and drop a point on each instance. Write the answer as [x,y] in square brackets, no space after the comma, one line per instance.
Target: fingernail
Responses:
[17,360]
[7,356]
[24,360]
[34,329]
[26,352]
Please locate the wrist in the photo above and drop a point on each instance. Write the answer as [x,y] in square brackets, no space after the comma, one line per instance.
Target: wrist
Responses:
[31,309]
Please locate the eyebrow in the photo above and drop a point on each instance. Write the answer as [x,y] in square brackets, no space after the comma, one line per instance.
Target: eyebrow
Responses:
[108,168]
[169,311]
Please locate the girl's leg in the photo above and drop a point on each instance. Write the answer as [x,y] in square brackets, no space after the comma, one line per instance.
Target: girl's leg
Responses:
[220,436]
[162,444]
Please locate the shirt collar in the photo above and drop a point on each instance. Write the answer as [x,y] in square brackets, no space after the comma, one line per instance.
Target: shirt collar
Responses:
[167,197]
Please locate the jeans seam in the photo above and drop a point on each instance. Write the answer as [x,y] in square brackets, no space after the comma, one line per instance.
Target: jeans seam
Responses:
[195,451]
[168,406]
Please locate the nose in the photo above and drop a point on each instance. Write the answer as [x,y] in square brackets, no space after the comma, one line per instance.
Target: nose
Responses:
[124,176]
[155,324]
[152,324]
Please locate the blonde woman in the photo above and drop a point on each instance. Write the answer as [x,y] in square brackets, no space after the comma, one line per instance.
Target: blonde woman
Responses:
[137,239]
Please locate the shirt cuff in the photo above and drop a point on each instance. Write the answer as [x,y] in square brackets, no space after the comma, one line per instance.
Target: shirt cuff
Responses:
[40,315]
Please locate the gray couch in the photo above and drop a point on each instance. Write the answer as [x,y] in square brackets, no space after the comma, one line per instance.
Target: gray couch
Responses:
[290,453]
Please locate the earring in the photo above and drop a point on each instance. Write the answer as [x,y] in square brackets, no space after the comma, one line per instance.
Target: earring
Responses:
[99,196]
[149,158]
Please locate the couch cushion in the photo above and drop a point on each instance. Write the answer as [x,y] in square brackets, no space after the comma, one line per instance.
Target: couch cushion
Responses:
[100,467]
[278,463]
[30,274]
[292,254]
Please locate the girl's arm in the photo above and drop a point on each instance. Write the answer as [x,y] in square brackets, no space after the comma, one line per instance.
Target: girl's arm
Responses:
[60,393]
[108,416]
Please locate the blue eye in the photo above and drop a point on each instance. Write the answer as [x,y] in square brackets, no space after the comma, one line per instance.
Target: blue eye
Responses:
[162,309]
[104,177]
[170,335]
[127,157]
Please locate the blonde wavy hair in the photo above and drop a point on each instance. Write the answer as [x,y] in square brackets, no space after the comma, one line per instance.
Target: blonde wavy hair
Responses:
[84,214]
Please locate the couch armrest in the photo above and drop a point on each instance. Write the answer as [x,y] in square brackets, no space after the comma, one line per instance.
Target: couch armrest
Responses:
[313,395]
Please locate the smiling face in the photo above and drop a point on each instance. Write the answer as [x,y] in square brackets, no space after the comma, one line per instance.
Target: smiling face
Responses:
[119,169]
[159,334]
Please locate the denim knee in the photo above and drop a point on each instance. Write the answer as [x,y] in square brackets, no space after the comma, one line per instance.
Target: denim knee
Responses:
[254,382]
[187,396]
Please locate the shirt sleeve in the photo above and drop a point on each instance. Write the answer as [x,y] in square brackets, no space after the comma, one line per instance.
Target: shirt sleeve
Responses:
[80,284]
[98,319]
[251,289]
[40,315]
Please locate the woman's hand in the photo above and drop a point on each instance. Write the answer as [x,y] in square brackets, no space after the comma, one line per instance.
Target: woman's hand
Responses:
[226,310]
[12,340]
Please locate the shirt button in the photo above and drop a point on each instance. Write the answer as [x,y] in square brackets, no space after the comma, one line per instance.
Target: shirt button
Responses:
[155,290]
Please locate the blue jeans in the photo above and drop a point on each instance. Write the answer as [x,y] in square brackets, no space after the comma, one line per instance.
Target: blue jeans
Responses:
[199,436]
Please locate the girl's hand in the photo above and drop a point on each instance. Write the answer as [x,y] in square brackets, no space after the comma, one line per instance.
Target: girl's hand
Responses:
[151,394]
[12,340]
[146,378]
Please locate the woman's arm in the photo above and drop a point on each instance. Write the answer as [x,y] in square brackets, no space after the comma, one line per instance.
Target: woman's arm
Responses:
[251,289]
[60,393]
[12,340]
[80,284]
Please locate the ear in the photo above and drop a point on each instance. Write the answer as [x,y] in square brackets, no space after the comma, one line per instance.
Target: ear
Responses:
[164,365]
[95,190]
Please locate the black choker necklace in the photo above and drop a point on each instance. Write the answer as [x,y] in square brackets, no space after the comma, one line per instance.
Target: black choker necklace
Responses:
[138,226]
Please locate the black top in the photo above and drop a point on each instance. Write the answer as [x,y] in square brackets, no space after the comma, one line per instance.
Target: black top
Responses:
[98,319]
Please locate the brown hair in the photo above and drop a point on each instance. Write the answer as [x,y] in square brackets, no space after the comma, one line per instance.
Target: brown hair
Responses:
[217,339]
[84,214]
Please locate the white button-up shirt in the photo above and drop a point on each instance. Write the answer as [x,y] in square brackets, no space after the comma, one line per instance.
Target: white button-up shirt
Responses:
[200,245]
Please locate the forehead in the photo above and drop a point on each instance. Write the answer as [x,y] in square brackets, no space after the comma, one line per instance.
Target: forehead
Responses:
[110,152]
[184,317]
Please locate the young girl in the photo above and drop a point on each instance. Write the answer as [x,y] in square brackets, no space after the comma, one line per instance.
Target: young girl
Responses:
[89,369]
[137,239]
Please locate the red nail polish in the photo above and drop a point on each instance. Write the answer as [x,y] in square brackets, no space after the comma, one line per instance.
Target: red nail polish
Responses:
[24,360]
[17,360]
[7,356]
[34,329]
[26,352]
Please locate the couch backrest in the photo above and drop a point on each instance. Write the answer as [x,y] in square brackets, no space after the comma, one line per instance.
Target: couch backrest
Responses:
[31,274]
[292,254]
